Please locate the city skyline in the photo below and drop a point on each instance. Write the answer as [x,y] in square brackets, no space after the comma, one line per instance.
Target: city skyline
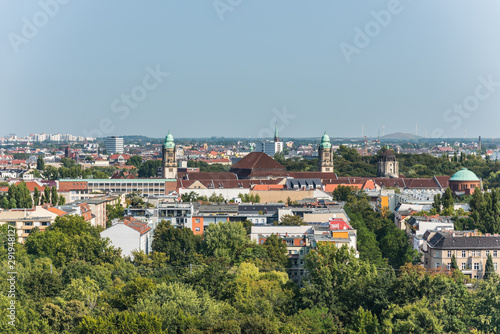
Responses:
[207,70]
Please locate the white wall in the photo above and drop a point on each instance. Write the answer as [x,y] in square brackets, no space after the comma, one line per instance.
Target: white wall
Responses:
[228,193]
[123,237]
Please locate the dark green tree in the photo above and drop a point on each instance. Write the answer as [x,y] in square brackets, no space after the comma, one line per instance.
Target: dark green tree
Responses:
[149,168]
[40,163]
[36,196]
[489,269]
[454,265]
[179,244]
[276,250]
[135,160]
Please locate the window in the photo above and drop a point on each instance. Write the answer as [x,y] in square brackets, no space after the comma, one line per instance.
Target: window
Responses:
[463,266]
[449,253]
[448,266]
[464,253]
[438,264]
[476,265]
[197,229]
[197,221]
[476,253]
[494,253]
[495,266]
[476,277]
[487,252]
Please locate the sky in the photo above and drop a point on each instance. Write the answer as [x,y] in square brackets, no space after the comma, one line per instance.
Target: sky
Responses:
[237,68]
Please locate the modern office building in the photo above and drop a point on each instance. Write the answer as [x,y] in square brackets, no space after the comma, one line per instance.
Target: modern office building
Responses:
[114,145]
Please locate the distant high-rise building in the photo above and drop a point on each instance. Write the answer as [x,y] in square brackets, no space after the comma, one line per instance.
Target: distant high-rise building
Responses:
[270,147]
[114,145]
[325,155]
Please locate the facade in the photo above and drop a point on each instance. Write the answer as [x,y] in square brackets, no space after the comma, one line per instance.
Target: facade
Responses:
[471,251]
[82,188]
[128,235]
[464,181]
[25,220]
[269,147]
[388,165]
[325,155]
[169,160]
[114,145]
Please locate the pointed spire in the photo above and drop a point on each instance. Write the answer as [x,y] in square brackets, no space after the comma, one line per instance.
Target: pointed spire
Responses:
[276,136]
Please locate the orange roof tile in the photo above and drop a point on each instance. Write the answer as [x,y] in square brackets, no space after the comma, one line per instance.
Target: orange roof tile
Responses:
[57,211]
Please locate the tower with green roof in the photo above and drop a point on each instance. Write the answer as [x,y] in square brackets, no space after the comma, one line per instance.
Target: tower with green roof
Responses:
[325,155]
[169,161]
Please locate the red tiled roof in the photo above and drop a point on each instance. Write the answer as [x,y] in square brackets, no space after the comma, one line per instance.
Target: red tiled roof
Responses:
[136,225]
[57,211]
[258,164]
[32,185]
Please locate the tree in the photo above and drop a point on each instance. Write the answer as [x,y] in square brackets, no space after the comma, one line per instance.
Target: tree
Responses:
[36,196]
[135,160]
[224,239]
[189,197]
[62,200]
[40,163]
[68,239]
[179,244]
[5,203]
[290,220]
[454,265]
[54,199]
[276,250]
[448,202]
[489,269]
[437,203]
[336,279]
[149,168]
[343,193]
[46,195]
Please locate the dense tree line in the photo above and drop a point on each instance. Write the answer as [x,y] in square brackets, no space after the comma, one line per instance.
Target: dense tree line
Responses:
[19,197]
[70,280]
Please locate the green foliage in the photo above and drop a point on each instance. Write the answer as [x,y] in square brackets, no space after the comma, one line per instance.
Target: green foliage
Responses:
[276,250]
[290,220]
[180,245]
[205,167]
[70,238]
[149,168]
[249,198]
[135,160]
[224,239]
[113,212]
[40,163]
[18,196]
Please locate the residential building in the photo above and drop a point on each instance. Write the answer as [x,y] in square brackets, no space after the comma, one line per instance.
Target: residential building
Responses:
[470,249]
[130,234]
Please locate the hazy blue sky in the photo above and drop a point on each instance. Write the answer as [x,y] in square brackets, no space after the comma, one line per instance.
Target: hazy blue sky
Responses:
[234,65]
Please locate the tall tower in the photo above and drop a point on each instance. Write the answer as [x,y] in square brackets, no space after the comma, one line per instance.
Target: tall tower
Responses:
[325,155]
[388,165]
[276,136]
[169,166]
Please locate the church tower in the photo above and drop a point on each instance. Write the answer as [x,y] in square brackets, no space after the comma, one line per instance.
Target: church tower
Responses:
[325,155]
[388,165]
[169,161]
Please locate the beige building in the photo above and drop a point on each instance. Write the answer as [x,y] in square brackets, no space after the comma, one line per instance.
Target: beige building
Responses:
[26,220]
[471,251]
[388,166]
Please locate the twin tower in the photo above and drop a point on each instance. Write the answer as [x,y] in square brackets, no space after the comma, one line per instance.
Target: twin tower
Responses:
[387,167]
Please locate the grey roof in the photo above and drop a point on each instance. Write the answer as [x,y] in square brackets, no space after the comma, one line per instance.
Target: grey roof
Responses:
[448,241]
[269,208]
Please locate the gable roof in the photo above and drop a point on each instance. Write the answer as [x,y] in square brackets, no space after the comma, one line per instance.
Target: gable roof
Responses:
[443,240]
[136,225]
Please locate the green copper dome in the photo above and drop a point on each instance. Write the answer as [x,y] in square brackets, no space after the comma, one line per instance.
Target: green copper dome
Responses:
[169,141]
[325,141]
[464,175]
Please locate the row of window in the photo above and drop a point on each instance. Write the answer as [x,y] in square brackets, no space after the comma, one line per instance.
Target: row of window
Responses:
[475,266]
[475,253]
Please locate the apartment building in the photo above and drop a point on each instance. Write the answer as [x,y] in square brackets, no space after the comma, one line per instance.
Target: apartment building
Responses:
[471,250]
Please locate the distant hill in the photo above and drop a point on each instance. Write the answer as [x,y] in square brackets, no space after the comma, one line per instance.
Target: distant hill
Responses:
[400,136]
